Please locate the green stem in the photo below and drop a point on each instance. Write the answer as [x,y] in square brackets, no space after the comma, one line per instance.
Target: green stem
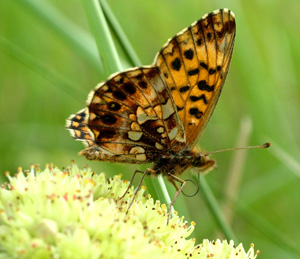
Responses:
[120,35]
[215,209]
[103,38]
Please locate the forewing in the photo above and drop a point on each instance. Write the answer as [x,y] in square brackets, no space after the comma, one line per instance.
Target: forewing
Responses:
[195,63]
[129,118]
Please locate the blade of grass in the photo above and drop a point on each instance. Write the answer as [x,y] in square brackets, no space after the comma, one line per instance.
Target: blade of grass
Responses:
[235,171]
[215,209]
[103,38]
[120,35]
[25,58]
[279,178]
[285,158]
[260,223]
[77,38]
[270,231]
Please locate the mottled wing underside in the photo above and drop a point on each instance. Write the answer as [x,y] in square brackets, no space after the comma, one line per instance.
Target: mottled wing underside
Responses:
[195,63]
[78,128]
[129,118]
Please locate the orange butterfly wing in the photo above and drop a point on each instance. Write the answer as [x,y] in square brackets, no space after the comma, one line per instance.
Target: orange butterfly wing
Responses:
[195,63]
[129,118]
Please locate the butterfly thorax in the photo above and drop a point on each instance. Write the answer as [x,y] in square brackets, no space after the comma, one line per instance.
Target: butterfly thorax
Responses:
[177,163]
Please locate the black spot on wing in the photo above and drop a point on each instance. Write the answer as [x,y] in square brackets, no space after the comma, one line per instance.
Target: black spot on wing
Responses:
[208,35]
[198,98]
[189,54]
[202,64]
[193,72]
[195,112]
[128,88]
[176,64]
[184,89]
[199,41]
[212,71]
[119,95]
[108,119]
[142,84]
[204,87]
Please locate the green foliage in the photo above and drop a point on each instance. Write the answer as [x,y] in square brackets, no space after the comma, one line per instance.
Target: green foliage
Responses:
[47,72]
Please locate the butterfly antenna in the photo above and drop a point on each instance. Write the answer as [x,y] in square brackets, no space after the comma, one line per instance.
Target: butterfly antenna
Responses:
[265,145]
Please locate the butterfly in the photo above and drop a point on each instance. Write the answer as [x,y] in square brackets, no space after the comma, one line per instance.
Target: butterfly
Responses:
[157,113]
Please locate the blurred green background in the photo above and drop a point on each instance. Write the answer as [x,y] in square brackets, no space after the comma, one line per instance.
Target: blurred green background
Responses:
[46,74]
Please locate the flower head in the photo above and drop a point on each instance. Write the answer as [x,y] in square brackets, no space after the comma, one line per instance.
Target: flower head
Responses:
[76,213]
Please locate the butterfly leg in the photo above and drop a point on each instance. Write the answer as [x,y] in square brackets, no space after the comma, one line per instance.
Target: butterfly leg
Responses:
[173,179]
[130,184]
[148,171]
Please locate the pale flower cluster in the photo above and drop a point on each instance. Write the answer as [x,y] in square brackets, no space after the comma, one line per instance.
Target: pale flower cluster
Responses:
[75,213]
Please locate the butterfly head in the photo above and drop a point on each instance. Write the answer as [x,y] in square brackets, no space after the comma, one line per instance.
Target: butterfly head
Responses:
[203,163]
